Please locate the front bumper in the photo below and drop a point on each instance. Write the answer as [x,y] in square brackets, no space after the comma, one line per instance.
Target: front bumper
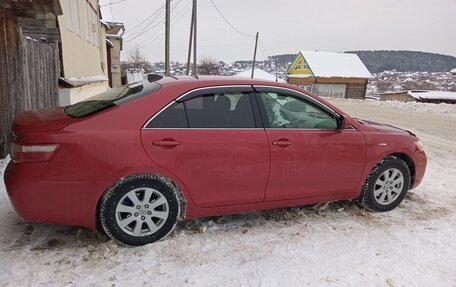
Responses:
[420,161]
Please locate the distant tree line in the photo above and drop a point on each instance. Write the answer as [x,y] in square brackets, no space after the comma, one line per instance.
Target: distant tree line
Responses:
[401,61]
[405,61]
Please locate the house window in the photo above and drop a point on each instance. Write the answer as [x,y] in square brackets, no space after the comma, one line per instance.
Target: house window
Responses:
[77,26]
[298,66]
[92,25]
[69,14]
[306,67]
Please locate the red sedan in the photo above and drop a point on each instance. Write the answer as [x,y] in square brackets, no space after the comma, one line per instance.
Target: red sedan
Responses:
[137,159]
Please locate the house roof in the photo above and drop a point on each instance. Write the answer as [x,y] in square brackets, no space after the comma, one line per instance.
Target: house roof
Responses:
[260,75]
[106,13]
[433,95]
[330,65]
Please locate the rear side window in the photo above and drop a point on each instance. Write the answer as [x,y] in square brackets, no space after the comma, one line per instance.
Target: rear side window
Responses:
[110,99]
[224,110]
[172,117]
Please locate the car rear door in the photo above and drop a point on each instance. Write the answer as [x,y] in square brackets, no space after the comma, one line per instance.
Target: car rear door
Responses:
[310,157]
[212,140]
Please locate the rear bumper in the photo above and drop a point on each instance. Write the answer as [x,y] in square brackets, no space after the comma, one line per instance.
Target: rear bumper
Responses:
[420,161]
[53,202]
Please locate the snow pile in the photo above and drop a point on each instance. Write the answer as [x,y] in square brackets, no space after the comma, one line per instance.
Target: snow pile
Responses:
[77,82]
[442,108]
[260,75]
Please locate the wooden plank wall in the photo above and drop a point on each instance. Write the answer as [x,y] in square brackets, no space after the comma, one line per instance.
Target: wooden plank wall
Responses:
[29,72]
[355,91]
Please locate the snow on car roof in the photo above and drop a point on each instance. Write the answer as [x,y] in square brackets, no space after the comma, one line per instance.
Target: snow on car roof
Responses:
[443,95]
[330,64]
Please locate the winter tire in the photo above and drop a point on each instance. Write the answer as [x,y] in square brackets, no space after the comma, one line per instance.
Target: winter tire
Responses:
[386,185]
[140,209]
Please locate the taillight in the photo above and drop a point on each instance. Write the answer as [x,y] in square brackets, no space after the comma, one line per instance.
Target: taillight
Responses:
[33,153]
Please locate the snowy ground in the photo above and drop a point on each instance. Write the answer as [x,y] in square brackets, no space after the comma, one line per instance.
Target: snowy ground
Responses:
[331,245]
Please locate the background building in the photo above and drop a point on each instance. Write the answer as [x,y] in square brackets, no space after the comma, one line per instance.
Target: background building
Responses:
[114,43]
[330,74]
[84,56]
[435,97]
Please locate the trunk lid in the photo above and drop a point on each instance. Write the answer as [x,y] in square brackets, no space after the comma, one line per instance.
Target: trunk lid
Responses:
[41,120]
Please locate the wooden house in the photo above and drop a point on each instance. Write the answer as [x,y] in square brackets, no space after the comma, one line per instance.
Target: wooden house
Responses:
[330,74]
[29,60]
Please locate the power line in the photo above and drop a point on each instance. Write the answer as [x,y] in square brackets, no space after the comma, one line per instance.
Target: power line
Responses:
[150,26]
[160,34]
[112,3]
[228,22]
[140,23]
[146,27]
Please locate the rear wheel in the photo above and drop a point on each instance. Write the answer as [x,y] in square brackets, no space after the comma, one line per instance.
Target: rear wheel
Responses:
[386,185]
[140,209]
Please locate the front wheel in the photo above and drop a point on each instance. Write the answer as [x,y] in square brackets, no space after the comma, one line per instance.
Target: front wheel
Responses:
[139,209]
[386,185]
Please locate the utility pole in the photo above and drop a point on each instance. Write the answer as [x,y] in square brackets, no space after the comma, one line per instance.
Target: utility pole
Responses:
[167,30]
[254,54]
[194,37]
[189,57]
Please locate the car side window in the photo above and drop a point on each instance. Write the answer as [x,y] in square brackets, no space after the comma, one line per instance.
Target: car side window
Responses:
[172,117]
[221,110]
[290,112]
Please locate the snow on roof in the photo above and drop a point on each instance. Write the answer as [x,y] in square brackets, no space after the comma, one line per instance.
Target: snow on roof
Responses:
[260,75]
[106,13]
[329,64]
[434,95]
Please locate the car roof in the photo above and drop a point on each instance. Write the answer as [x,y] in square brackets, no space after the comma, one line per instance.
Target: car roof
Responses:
[205,81]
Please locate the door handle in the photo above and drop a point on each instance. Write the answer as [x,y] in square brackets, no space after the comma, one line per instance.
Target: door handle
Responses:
[169,143]
[282,142]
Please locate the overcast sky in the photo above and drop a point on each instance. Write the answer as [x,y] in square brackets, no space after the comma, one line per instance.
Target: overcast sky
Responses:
[287,26]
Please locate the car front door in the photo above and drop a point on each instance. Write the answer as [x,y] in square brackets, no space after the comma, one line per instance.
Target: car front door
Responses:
[212,140]
[310,156]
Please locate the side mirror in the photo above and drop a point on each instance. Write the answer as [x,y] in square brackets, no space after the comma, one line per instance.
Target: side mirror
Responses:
[340,122]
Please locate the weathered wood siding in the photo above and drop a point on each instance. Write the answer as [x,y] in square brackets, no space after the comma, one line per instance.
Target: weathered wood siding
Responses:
[356,91]
[29,71]
[402,96]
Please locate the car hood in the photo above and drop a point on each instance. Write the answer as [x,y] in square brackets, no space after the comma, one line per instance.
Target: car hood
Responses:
[382,127]
[41,120]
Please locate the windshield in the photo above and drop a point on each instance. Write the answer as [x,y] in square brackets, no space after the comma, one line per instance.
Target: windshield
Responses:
[110,98]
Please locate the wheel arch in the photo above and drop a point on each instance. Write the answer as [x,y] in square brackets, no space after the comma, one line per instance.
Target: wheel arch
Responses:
[410,163]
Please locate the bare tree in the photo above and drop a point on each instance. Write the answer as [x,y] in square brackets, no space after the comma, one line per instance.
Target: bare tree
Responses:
[208,66]
[136,59]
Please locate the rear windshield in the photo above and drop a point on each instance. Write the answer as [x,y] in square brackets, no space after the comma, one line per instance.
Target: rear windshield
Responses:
[110,99]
